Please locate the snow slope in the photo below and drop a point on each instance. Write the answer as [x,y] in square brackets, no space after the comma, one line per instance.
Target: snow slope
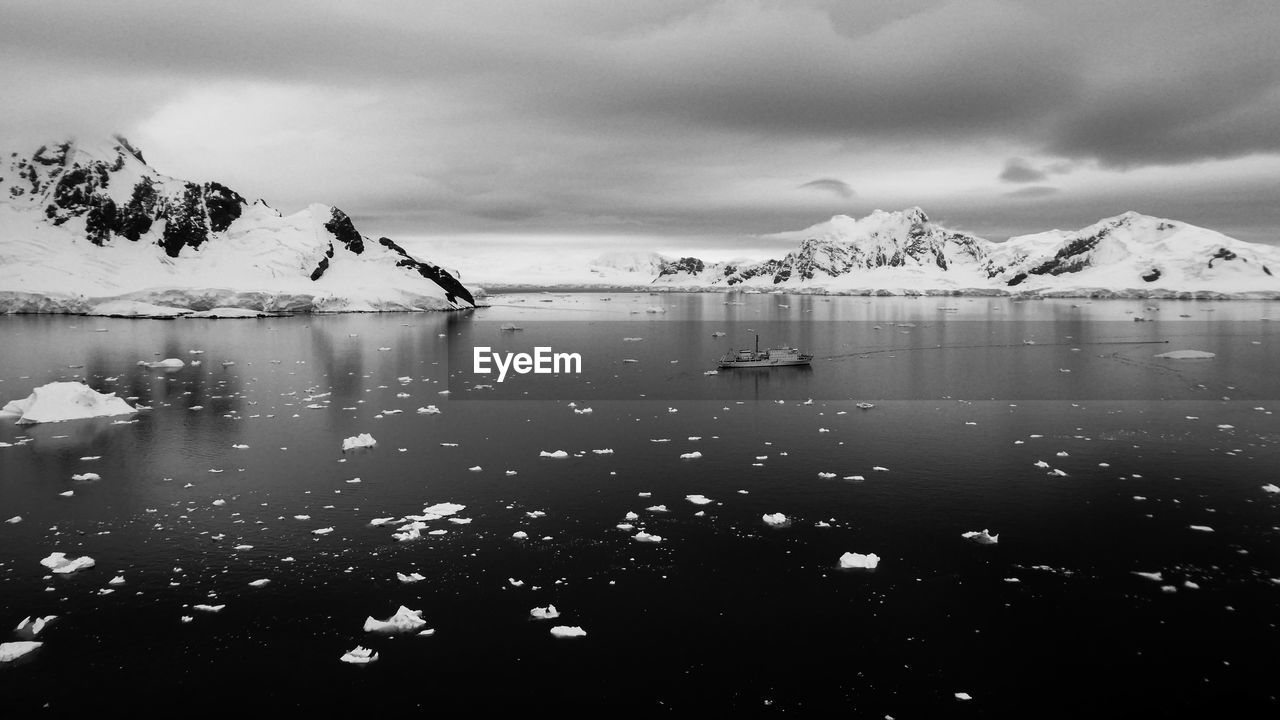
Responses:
[81,224]
[1130,255]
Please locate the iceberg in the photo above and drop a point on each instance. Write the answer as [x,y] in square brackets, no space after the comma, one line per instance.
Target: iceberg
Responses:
[167,363]
[359,656]
[982,538]
[362,440]
[60,401]
[404,621]
[11,651]
[858,560]
[547,613]
[566,631]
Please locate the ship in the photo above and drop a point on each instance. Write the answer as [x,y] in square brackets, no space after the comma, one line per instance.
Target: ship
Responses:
[771,357]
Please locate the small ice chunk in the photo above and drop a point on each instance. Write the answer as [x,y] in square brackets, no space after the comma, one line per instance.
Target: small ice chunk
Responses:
[410,578]
[698,499]
[963,696]
[260,583]
[515,583]
[404,621]
[776,519]
[1187,355]
[363,440]
[520,535]
[566,631]
[643,536]
[429,410]
[359,656]
[691,455]
[117,580]
[18,518]
[826,475]
[87,476]
[208,608]
[322,531]
[858,560]
[657,508]
[554,454]
[1270,487]
[547,613]
[1201,528]
[1152,576]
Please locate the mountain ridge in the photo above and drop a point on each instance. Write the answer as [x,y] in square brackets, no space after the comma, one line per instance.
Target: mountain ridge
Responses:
[153,235]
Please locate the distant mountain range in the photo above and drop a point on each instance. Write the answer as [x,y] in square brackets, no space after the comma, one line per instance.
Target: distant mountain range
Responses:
[82,224]
[904,253]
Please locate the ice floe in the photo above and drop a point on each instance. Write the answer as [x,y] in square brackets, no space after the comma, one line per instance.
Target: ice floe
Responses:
[983,537]
[868,561]
[33,626]
[61,564]
[404,621]
[60,401]
[362,440]
[359,656]
[11,651]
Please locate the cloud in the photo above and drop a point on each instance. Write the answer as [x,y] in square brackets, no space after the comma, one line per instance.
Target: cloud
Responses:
[1018,170]
[1033,191]
[653,116]
[831,185]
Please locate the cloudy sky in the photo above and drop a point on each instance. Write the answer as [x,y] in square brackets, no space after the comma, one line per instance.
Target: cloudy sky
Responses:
[674,124]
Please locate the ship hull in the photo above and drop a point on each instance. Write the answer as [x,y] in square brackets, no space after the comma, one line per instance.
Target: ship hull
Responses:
[725,364]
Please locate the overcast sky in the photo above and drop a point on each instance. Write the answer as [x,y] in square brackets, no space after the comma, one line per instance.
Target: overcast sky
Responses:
[675,124]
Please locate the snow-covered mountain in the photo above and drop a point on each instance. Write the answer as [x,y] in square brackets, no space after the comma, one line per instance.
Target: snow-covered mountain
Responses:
[905,253]
[83,223]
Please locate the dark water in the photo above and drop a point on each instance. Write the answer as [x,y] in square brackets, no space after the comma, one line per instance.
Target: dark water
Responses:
[725,613]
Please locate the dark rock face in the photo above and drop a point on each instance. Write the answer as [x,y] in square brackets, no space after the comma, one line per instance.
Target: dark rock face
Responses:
[453,289]
[1222,254]
[688,265]
[1152,276]
[223,205]
[342,228]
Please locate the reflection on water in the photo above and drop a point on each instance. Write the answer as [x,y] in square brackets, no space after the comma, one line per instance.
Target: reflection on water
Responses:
[1088,477]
